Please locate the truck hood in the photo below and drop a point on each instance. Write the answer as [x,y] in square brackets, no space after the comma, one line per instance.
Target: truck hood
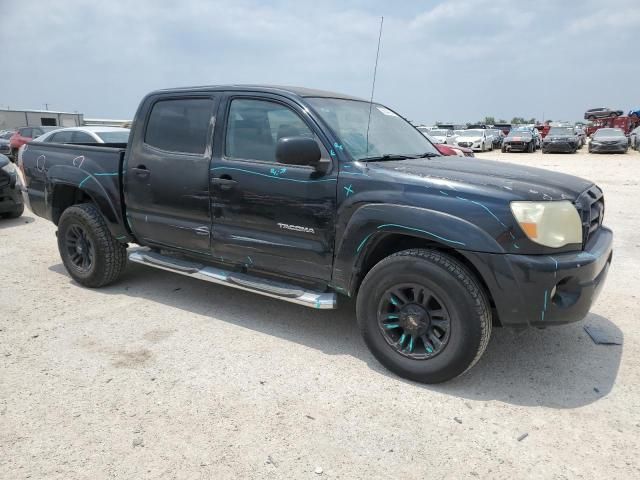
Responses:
[487,176]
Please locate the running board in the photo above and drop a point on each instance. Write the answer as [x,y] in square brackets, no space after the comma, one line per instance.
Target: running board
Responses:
[242,281]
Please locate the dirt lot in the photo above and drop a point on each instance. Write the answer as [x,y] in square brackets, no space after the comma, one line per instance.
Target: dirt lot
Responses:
[160,376]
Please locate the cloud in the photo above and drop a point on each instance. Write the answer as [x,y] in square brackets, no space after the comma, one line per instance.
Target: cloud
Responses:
[439,60]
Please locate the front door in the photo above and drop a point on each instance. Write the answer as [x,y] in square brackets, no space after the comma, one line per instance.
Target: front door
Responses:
[167,173]
[266,215]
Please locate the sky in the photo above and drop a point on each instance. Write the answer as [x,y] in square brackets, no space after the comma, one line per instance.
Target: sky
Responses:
[452,61]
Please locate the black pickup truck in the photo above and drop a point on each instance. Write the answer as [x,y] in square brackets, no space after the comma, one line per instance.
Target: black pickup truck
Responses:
[292,193]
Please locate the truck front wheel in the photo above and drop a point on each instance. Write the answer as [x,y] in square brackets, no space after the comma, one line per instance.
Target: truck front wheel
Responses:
[89,252]
[424,315]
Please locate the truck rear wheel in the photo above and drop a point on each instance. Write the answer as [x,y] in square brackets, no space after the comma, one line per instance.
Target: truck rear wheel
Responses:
[91,255]
[424,315]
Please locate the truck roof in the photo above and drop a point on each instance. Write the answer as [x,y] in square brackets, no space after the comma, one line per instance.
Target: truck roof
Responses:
[279,89]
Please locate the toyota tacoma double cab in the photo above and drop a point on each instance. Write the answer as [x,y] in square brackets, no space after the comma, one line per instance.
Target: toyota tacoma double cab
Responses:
[307,196]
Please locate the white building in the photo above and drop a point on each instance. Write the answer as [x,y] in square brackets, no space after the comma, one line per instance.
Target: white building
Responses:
[11,119]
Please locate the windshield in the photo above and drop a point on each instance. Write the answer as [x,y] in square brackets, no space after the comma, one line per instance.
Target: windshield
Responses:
[560,131]
[471,133]
[609,132]
[114,137]
[389,134]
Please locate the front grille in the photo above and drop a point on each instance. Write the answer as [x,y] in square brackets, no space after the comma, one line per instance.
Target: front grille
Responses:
[591,206]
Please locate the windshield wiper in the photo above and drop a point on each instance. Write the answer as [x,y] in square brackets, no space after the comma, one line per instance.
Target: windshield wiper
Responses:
[388,157]
[428,155]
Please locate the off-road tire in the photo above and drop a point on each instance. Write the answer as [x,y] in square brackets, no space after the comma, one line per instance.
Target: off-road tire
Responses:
[462,295]
[110,256]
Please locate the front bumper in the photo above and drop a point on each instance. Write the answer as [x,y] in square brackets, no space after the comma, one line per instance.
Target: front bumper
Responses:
[10,199]
[564,147]
[543,290]
[613,148]
[516,146]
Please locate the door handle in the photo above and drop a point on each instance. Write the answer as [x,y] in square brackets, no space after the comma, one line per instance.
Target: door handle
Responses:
[141,171]
[224,183]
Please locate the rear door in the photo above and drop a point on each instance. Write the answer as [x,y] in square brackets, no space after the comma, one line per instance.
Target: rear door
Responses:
[167,172]
[269,216]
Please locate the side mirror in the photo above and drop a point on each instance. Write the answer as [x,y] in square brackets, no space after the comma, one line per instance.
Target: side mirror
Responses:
[298,151]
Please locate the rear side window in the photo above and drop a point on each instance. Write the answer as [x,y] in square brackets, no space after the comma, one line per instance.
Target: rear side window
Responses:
[179,125]
[60,137]
[255,126]
[25,132]
[82,137]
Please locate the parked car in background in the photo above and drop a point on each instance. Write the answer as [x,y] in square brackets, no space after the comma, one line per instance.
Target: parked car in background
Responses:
[519,140]
[635,113]
[634,138]
[505,127]
[609,140]
[96,134]
[442,135]
[561,139]
[449,150]
[531,130]
[24,135]
[497,137]
[5,144]
[11,203]
[476,139]
[601,112]
[582,136]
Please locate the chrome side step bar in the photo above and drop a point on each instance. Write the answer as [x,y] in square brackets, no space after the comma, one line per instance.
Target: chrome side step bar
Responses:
[242,281]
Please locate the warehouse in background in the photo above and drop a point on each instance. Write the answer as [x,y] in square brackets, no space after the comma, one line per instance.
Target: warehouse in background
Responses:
[12,119]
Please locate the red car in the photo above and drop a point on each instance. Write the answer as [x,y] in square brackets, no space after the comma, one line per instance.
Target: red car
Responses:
[24,135]
[448,150]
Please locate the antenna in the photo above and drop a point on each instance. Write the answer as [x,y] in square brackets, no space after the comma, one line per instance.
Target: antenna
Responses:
[373,86]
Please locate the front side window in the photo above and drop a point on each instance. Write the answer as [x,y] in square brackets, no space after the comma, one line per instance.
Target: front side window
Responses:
[180,125]
[255,126]
[25,132]
[388,133]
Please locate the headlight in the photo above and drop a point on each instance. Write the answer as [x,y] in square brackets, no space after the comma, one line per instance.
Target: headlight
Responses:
[553,224]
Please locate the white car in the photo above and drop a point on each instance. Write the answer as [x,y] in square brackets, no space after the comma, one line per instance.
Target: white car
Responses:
[442,135]
[634,138]
[475,139]
[86,135]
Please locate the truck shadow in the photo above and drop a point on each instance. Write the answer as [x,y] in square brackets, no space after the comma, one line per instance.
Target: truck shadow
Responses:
[558,367]
[15,222]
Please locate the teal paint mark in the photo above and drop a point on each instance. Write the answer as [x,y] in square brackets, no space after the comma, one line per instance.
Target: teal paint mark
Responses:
[250,261]
[392,317]
[349,189]
[402,339]
[486,208]
[411,344]
[338,146]
[421,231]
[273,177]
[546,292]
[318,303]
[389,326]
[121,237]
[515,245]
[276,172]
[355,173]
[444,193]
[394,301]
[332,153]
[97,175]
[428,348]
[363,242]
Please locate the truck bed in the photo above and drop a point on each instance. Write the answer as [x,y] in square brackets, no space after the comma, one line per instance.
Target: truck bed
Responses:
[92,171]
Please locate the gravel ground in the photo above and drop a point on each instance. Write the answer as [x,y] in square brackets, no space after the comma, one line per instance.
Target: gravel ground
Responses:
[161,376]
